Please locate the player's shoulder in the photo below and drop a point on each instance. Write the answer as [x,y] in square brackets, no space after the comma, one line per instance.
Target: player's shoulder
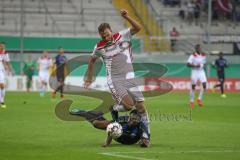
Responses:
[4,52]
[117,36]
[203,54]
[100,45]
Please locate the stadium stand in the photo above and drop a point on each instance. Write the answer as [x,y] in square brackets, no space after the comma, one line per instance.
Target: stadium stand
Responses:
[190,34]
[65,18]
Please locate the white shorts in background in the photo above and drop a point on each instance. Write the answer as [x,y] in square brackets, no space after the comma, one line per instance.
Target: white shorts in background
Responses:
[198,76]
[43,76]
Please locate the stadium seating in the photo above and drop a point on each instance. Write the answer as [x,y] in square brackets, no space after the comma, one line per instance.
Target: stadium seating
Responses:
[65,18]
[192,34]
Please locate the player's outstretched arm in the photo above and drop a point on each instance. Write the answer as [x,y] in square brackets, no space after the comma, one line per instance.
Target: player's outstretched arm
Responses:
[9,68]
[89,75]
[136,27]
[108,141]
[193,66]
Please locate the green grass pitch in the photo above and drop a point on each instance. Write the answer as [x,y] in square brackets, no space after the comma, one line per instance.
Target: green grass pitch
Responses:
[31,131]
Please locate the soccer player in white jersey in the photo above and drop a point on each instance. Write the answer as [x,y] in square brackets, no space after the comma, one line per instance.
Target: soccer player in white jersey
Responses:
[115,50]
[44,63]
[197,61]
[4,66]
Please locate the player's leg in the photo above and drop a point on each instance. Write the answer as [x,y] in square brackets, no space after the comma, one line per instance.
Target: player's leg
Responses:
[60,79]
[219,84]
[138,98]
[29,83]
[124,101]
[43,88]
[203,80]
[125,104]
[222,80]
[61,88]
[100,124]
[2,95]
[201,92]
[145,137]
[2,89]
[43,81]
[192,89]
[94,117]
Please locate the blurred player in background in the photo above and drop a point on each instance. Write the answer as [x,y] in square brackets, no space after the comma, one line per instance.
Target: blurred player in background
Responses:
[28,69]
[61,64]
[44,63]
[5,67]
[120,73]
[196,61]
[220,65]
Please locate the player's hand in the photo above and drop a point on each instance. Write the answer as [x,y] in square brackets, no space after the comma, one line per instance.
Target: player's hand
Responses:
[124,13]
[86,84]
[104,145]
[198,66]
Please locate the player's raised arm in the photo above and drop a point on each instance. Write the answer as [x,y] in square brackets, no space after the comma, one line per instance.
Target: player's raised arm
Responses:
[136,27]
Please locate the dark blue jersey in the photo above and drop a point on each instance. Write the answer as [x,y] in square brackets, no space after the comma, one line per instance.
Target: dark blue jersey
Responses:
[220,64]
[60,60]
[131,134]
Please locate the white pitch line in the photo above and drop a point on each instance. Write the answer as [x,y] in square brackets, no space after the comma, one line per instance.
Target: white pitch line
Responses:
[114,154]
[121,154]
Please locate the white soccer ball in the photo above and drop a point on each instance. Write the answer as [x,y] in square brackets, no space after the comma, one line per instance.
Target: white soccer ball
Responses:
[114,129]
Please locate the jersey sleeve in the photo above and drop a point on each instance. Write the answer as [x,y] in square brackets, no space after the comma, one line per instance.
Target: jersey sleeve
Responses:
[96,53]
[6,57]
[190,59]
[39,61]
[204,60]
[126,34]
[50,61]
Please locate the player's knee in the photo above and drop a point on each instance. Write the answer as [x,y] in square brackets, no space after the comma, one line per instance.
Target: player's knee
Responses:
[128,103]
[2,86]
[128,107]
[204,86]
[95,124]
[140,107]
[193,87]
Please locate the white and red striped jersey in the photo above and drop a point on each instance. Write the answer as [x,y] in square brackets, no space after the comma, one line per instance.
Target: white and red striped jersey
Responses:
[44,64]
[197,59]
[117,55]
[4,57]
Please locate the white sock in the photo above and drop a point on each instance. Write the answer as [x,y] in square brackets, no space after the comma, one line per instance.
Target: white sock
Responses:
[146,128]
[2,95]
[43,89]
[201,92]
[119,108]
[192,94]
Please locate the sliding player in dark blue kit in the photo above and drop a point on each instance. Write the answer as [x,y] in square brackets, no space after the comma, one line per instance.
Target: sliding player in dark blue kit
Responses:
[132,126]
[220,65]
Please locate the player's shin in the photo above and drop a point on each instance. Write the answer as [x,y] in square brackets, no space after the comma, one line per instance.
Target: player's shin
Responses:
[115,109]
[201,92]
[222,87]
[192,95]
[145,126]
[2,95]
